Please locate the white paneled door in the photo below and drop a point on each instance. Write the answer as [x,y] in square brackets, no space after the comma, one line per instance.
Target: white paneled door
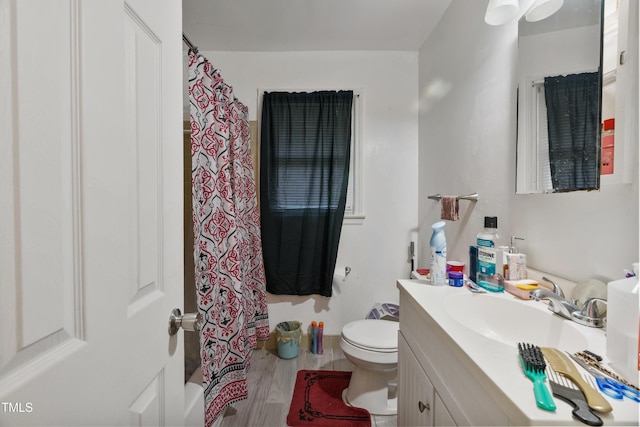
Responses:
[90,212]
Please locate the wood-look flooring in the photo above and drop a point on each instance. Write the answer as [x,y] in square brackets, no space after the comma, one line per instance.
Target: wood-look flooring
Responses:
[271,381]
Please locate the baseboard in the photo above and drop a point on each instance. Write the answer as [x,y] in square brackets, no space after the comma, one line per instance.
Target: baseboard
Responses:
[328,341]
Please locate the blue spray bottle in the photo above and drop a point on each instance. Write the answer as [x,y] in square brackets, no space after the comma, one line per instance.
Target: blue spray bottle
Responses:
[438,246]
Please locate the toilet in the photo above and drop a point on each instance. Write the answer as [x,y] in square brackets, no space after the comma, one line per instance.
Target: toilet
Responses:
[371,345]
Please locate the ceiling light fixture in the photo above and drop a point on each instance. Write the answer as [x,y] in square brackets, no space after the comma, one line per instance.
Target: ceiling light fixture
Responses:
[542,9]
[501,11]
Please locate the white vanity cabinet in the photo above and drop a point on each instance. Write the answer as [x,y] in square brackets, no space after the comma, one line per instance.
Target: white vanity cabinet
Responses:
[415,391]
[435,388]
[457,367]
[441,415]
[418,403]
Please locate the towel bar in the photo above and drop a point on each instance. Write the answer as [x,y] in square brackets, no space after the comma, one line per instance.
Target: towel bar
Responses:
[473,197]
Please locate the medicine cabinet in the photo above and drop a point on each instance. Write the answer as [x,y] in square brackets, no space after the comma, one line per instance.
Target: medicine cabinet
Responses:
[559,99]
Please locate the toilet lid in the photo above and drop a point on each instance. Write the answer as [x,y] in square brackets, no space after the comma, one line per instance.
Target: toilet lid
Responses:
[375,334]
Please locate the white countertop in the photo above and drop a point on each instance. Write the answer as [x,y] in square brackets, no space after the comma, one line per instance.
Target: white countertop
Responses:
[496,360]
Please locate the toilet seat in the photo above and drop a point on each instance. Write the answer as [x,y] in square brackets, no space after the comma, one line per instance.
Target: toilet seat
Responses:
[375,335]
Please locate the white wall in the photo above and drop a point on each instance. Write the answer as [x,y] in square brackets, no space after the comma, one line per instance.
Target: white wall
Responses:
[467,124]
[463,82]
[575,52]
[376,250]
[468,144]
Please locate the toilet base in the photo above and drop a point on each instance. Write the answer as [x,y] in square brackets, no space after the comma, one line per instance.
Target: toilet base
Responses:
[370,390]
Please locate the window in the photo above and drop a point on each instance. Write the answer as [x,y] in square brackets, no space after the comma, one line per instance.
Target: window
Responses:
[354,210]
[544,183]
[305,150]
[297,193]
[559,134]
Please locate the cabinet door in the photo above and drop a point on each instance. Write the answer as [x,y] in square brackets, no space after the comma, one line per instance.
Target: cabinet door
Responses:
[415,391]
[441,415]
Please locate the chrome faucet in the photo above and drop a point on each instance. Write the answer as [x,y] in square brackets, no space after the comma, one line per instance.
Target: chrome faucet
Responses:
[556,289]
[590,314]
[557,303]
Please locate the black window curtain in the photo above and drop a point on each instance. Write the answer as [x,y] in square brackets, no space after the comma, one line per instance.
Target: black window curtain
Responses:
[573,116]
[304,172]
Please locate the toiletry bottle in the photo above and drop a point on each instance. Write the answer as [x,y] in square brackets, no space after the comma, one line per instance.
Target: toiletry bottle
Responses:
[438,246]
[487,241]
[515,267]
[314,337]
[320,334]
[456,278]
[473,262]
[501,259]
[607,156]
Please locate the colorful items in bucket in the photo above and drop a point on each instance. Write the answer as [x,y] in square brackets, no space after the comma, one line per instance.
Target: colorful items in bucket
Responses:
[317,331]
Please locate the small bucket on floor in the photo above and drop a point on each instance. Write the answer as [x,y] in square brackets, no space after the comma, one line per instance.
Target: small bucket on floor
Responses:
[288,335]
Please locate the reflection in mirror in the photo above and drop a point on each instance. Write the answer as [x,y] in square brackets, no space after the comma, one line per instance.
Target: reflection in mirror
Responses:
[559,100]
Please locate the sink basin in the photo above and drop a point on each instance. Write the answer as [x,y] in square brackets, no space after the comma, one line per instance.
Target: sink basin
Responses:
[509,320]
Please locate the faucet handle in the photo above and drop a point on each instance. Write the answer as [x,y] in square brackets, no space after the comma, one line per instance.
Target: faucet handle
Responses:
[590,307]
[555,288]
[590,314]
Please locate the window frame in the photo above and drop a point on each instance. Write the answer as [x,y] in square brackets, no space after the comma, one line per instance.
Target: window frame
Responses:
[544,182]
[355,215]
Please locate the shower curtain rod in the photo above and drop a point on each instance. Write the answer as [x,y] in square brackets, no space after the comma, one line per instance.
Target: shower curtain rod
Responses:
[186,40]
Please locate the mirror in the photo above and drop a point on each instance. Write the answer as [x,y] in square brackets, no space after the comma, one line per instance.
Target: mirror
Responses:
[560,100]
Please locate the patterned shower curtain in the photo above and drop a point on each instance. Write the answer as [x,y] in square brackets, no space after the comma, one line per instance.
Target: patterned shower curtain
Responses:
[230,278]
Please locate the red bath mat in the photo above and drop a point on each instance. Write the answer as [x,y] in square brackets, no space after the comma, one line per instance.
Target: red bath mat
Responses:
[317,401]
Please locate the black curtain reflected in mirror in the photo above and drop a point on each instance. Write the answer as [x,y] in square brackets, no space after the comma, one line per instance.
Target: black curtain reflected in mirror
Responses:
[573,115]
[304,173]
